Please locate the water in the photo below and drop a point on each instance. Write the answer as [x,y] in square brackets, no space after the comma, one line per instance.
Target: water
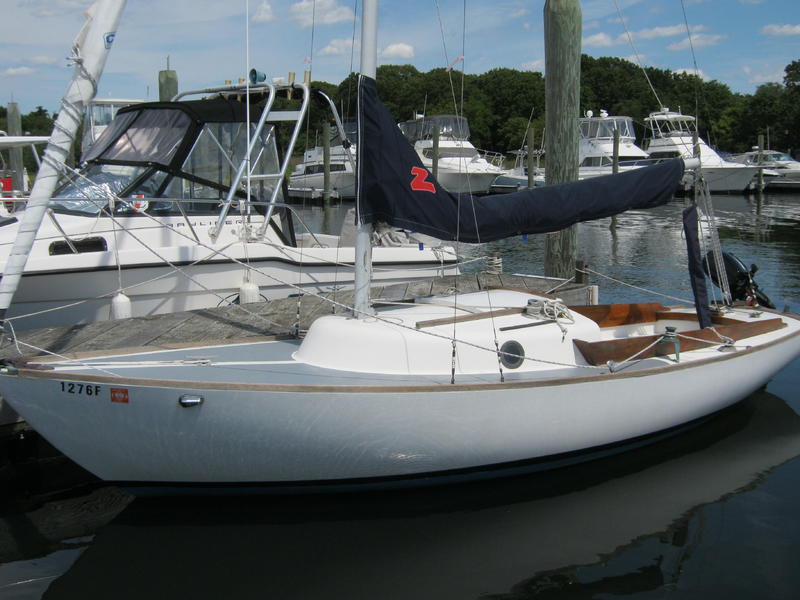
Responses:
[710,513]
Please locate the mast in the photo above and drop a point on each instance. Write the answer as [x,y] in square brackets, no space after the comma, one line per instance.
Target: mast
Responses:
[89,52]
[363,249]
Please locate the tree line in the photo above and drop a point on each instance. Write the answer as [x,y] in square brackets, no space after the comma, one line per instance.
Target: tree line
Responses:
[501,103]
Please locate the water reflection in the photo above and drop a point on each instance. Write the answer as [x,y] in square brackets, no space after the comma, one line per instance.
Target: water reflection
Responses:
[618,526]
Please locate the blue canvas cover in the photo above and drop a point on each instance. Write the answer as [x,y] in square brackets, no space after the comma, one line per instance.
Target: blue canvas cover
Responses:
[395,188]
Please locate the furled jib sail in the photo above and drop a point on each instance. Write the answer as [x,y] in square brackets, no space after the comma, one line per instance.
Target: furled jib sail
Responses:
[394,187]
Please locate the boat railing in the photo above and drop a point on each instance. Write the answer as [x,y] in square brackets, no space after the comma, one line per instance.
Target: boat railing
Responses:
[244,172]
[493,158]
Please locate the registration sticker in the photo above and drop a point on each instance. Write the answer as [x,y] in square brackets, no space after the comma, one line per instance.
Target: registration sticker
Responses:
[119,395]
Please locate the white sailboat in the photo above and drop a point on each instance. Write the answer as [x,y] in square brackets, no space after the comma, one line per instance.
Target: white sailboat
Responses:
[447,388]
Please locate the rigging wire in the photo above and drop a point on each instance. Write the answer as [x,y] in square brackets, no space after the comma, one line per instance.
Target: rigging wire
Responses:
[636,53]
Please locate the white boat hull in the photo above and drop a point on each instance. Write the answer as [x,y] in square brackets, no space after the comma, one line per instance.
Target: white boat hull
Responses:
[342,183]
[84,296]
[729,179]
[293,434]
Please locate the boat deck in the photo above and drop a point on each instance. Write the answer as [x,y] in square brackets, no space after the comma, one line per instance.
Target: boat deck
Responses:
[243,323]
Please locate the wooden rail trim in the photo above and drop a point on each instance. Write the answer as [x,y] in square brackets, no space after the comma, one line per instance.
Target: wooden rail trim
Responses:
[503,312]
[599,353]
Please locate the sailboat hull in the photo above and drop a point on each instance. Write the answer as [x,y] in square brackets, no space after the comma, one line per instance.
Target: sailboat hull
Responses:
[130,429]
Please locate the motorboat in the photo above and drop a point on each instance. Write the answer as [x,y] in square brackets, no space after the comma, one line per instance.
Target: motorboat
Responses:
[14,180]
[595,151]
[443,389]
[673,135]
[783,171]
[462,169]
[596,145]
[516,177]
[138,219]
[308,177]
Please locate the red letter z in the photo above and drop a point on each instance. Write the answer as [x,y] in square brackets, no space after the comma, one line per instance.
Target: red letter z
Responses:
[419,184]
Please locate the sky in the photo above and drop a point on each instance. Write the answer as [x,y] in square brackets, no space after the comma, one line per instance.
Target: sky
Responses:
[741,43]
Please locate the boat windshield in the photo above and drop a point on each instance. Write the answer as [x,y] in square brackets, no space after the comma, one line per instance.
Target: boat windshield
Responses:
[350,130]
[450,126]
[151,136]
[162,154]
[605,127]
[673,126]
[452,152]
[775,156]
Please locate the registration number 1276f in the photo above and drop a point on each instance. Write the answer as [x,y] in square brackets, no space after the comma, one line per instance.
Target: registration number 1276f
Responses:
[74,387]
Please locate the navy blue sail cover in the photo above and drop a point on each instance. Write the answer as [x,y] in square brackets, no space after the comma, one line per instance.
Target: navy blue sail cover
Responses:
[697,276]
[395,188]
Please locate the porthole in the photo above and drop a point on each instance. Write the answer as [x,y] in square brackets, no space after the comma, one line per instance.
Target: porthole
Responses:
[512,354]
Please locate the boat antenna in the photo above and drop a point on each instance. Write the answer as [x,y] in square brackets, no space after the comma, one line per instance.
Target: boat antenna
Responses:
[636,53]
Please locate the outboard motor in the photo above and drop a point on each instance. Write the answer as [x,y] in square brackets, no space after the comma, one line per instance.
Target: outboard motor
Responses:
[740,279]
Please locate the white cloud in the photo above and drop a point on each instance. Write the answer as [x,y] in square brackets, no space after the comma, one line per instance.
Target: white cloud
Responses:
[698,72]
[533,65]
[42,60]
[765,74]
[19,71]
[603,40]
[661,32]
[781,30]
[56,8]
[519,13]
[751,1]
[326,12]
[337,47]
[599,40]
[264,13]
[398,50]
[699,40]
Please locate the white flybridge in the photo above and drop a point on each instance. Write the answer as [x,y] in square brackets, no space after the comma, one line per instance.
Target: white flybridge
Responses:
[443,389]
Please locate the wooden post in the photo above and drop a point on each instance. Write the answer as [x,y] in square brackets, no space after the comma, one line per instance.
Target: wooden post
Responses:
[562,34]
[615,170]
[326,164]
[435,157]
[531,169]
[167,84]
[15,154]
[760,163]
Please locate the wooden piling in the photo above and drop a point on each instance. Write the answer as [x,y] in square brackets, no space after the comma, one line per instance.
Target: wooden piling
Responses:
[15,154]
[531,144]
[562,33]
[167,84]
